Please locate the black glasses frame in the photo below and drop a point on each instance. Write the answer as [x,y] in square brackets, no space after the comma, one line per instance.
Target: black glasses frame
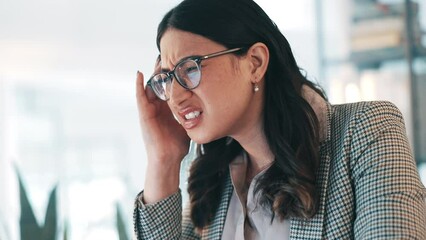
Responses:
[197,59]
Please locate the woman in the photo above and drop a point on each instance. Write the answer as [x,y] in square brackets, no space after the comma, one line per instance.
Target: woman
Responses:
[275,159]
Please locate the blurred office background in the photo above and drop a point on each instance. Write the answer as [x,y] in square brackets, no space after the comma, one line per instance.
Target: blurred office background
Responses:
[68,114]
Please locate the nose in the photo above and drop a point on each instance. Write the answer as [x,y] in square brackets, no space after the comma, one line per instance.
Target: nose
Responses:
[178,94]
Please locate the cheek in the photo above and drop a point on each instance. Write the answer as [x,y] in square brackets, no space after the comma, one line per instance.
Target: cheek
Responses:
[230,79]
[227,98]
[225,87]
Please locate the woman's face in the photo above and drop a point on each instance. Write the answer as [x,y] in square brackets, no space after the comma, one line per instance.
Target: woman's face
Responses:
[224,104]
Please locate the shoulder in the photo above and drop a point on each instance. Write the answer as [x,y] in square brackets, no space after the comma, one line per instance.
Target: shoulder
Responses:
[371,129]
[372,167]
[364,111]
[365,118]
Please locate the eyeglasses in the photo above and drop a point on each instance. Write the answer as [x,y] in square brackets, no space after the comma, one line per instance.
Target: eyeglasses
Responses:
[187,72]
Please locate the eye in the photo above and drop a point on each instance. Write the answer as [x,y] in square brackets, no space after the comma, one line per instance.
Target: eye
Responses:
[161,79]
[191,69]
[167,79]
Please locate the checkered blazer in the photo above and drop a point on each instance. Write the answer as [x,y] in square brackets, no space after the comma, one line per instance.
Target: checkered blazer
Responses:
[368,183]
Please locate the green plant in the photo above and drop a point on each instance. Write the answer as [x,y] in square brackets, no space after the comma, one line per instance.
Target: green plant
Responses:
[29,228]
[65,236]
[121,226]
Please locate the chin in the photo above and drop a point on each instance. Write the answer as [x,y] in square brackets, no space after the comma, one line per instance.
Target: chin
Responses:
[199,140]
[202,138]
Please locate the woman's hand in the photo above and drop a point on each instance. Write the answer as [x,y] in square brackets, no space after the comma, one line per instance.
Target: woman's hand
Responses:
[166,142]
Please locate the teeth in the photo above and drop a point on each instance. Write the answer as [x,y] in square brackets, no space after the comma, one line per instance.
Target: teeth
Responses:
[192,115]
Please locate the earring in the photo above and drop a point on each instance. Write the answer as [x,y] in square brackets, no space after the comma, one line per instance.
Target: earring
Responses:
[256,87]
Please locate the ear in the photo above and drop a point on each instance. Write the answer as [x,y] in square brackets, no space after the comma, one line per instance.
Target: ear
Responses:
[258,55]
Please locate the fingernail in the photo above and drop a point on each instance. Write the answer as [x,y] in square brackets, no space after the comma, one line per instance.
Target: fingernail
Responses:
[137,73]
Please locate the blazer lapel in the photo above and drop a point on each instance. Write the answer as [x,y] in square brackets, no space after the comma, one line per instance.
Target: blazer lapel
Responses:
[215,229]
[313,228]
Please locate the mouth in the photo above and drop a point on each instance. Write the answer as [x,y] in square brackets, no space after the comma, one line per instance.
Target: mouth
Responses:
[191,117]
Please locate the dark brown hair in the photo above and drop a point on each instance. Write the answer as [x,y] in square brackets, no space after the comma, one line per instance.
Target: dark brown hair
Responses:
[290,124]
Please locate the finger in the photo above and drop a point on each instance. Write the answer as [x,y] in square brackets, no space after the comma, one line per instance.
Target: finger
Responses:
[149,91]
[144,95]
[150,94]
[140,90]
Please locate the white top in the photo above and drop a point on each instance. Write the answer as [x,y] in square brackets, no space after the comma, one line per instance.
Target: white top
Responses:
[246,219]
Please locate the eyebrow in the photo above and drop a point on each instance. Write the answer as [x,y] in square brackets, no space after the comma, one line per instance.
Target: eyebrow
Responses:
[180,60]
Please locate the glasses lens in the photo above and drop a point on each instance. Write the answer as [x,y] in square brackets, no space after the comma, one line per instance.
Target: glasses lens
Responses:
[160,84]
[188,74]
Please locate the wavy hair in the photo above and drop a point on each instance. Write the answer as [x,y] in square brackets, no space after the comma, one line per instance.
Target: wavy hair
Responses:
[290,124]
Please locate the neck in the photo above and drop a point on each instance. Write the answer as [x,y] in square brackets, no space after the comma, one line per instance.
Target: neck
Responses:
[259,154]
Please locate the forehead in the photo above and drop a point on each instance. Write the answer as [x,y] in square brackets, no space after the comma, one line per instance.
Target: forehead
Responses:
[177,44]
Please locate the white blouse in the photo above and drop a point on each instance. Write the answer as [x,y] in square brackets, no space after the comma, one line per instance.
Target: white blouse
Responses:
[246,219]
